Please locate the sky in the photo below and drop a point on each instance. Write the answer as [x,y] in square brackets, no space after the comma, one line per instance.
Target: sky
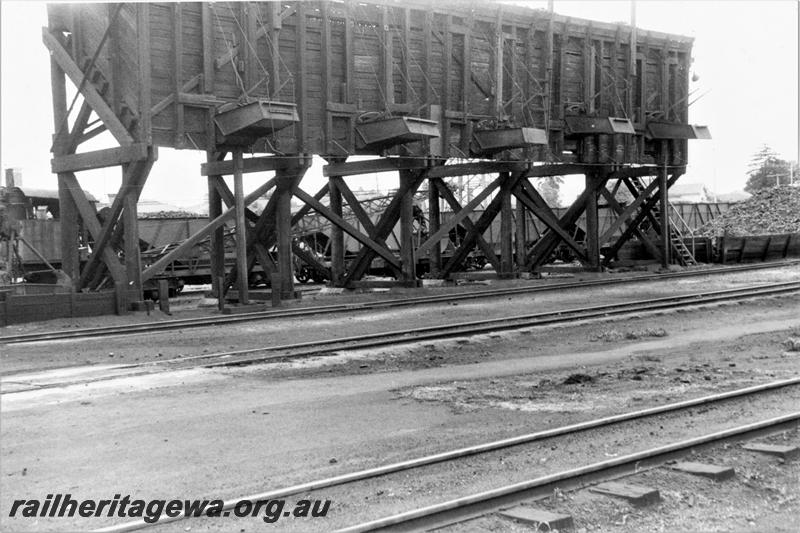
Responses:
[745,61]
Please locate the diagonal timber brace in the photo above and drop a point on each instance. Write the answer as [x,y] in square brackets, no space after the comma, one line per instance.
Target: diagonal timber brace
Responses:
[537,205]
[540,252]
[95,99]
[383,228]
[481,225]
[643,212]
[462,215]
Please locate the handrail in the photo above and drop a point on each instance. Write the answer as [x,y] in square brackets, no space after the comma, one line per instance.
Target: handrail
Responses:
[685,225]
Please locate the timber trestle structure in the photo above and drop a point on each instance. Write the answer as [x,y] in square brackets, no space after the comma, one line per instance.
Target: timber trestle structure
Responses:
[430,91]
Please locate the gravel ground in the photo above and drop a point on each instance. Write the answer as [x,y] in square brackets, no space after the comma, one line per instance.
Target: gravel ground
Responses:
[761,497]
[238,431]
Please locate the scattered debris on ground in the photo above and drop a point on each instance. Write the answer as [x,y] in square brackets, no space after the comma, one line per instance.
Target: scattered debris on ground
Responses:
[612,335]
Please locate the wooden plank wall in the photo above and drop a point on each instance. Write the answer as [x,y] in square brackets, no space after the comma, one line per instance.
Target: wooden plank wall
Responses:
[338,60]
[18,309]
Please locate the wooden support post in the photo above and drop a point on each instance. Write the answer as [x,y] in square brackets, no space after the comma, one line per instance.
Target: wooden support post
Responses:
[68,211]
[592,222]
[506,229]
[434,218]
[663,186]
[283,230]
[241,228]
[497,63]
[217,259]
[121,298]
[163,296]
[220,282]
[133,261]
[177,72]
[275,286]
[520,235]
[407,263]
[337,236]
[68,216]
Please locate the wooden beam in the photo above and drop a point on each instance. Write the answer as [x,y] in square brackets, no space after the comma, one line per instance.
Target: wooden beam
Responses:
[109,157]
[628,212]
[427,43]
[455,205]
[480,226]
[537,205]
[506,230]
[592,223]
[346,227]
[408,266]
[370,166]
[89,217]
[645,211]
[158,267]
[387,78]
[497,63]
[459,213]
[217,252]
[434,223]
[447,105]
[76,135]
[355,205]
[383,228]
[228,198]
[254,164]
[145,133]
[619,210]
[95,99]
[541,251]
[133,180]
[520,235]
[300,88]
[337,235]
[177,72]
[241,228]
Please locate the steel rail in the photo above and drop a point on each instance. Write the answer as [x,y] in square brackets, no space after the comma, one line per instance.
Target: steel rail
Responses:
[471,506]
[478,449]
[149,327]
[319,347]
[477,327]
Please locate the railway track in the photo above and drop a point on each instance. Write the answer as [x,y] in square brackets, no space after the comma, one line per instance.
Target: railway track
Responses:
[144,328]
[429,333]
[462,508]
[475,505]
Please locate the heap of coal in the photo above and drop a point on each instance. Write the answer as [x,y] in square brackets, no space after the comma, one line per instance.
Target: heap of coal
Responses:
[171,214]
[767,212]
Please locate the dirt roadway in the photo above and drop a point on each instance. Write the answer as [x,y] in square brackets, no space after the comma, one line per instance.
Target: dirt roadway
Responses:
[207,434]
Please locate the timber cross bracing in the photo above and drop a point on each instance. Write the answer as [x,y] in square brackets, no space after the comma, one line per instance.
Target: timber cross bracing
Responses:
[529,92]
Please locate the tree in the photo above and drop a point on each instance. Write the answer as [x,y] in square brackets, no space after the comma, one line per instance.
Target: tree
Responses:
[768,170]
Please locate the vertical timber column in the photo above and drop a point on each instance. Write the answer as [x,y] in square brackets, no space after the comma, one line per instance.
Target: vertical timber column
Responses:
[407,263]
[337,236]
[133,260]
[592,223]
[241,229]
[68,211]
[664,206]
[217,258]
[521,237]
[506,229]
[434,220]
[283,229]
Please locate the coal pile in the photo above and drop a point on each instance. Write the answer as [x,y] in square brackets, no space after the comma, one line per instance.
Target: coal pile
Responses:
[767,212]
[171,214]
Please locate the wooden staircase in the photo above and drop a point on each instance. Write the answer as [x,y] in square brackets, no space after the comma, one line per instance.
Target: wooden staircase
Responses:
[680,252]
